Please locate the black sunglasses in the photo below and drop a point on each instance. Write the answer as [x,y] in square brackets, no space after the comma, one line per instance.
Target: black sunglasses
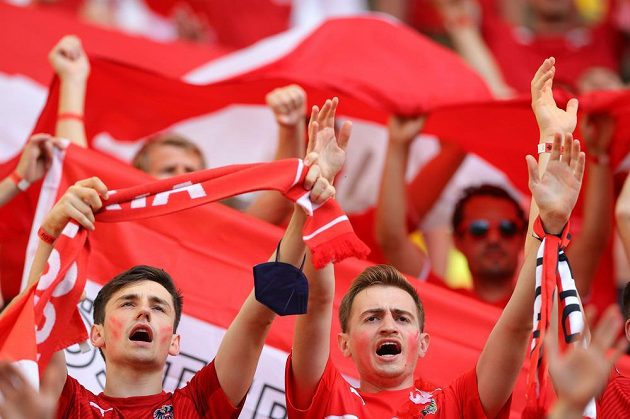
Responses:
[480,228]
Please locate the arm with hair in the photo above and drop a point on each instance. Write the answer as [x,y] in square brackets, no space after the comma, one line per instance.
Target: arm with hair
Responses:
[289,107]
[71,64]
[245,338]
[391,209]
[311,339]
[78,203]
[459,21]
[555,183]
[587,247]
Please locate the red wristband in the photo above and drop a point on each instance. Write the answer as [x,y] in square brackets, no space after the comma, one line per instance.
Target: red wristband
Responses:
[21,183]
[45,236]
[70,115]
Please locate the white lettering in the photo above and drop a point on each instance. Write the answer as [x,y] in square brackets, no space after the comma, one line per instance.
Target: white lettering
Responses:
[140,201]
[194,191]
[112,206]
[49,313]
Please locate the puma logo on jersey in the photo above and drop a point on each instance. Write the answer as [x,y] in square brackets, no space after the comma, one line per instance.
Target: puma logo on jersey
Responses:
[100,409]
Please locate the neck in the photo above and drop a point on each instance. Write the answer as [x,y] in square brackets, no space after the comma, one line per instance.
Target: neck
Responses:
[493,290]
[387,384]
[123,381]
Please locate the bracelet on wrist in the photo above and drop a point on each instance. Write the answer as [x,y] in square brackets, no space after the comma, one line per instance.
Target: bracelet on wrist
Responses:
[45,237]
[546,148]
[21,183]
[70,115]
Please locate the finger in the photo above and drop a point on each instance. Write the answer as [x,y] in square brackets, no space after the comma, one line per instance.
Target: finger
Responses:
[333,112]
[572,107]
[567,143]
[344,135]
[607,329]
[40,137]
[94,183]
[79,216]
[318,190]
[314,173]
[312,138]
[323,114]
[556,147]
[91,198]
[311,158]
[328,193]
[579,168]
[532,169]
[313,120]
[575,154]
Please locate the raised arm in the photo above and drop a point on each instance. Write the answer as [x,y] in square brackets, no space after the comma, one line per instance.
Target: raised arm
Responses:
[311,340]
[622,214]
[588,246]
[246,335]
[71,64]
[459,17]
[79,204]
[289,108]
[34,162]
[391,210]
[555,191]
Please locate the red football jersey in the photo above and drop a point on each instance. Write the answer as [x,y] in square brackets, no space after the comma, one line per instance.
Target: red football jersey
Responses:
[201,397]
[336,398]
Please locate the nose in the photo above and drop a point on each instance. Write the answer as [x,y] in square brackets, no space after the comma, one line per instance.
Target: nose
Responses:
[144,312]
[494,235]
[388,325]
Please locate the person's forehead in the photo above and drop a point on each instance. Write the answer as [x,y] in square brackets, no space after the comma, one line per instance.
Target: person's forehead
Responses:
[489,207]
[170,153]
[383,297]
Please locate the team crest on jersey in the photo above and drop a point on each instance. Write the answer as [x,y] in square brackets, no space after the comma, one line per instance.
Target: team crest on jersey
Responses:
[420,404]
[164,412]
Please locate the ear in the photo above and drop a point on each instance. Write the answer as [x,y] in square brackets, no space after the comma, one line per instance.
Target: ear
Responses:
[97,336]
[343,342]
[627,329]
[173,349]
[423,344]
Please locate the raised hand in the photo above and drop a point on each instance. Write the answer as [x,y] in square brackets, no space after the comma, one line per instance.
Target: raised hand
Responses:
[402,130]
[557,190]
[69,60]
[288,104]
[324,147]
[598,132]
[78,203]
[550,118]
[18,398]
[581,373]
[36,157]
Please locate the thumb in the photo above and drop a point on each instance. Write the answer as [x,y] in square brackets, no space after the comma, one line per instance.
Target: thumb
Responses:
[572,106]
[532,169]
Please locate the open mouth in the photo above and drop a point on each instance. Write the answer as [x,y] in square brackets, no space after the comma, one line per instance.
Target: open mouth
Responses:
[141,333]
[388,348]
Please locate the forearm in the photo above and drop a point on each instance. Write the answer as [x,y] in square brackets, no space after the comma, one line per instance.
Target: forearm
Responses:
[72,101]
[8,190]
[471,46]
[311,340]
[587,247]
[622,214]
[270,206]
[427,186]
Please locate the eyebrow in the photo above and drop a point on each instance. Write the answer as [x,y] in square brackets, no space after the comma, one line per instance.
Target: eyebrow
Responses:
[152,299]
[396,311]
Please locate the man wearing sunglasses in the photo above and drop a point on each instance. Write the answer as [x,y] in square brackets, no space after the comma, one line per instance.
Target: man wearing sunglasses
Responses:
[488,224]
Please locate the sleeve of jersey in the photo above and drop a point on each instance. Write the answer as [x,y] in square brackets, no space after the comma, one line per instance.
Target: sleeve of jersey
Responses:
[208,397]
[317,408]
[464,393]
[68,397]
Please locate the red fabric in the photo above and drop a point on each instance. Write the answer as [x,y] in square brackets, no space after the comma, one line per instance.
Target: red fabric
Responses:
[519,52]
[234,23]
[436,280]
[201,397]
[327,233]
[335,397]
[615,401]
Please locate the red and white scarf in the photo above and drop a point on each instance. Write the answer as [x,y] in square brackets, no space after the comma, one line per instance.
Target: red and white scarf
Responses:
[553,272]
[54,297]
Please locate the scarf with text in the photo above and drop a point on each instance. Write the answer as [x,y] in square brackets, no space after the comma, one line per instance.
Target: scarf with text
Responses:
[54,297]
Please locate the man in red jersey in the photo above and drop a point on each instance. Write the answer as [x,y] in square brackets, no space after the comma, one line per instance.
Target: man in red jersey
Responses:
[383,321]
[136,316]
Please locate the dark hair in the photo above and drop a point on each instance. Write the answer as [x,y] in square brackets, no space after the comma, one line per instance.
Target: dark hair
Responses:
[141,159]
[384,275]
[626,302]
[485,189]
[137,274]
